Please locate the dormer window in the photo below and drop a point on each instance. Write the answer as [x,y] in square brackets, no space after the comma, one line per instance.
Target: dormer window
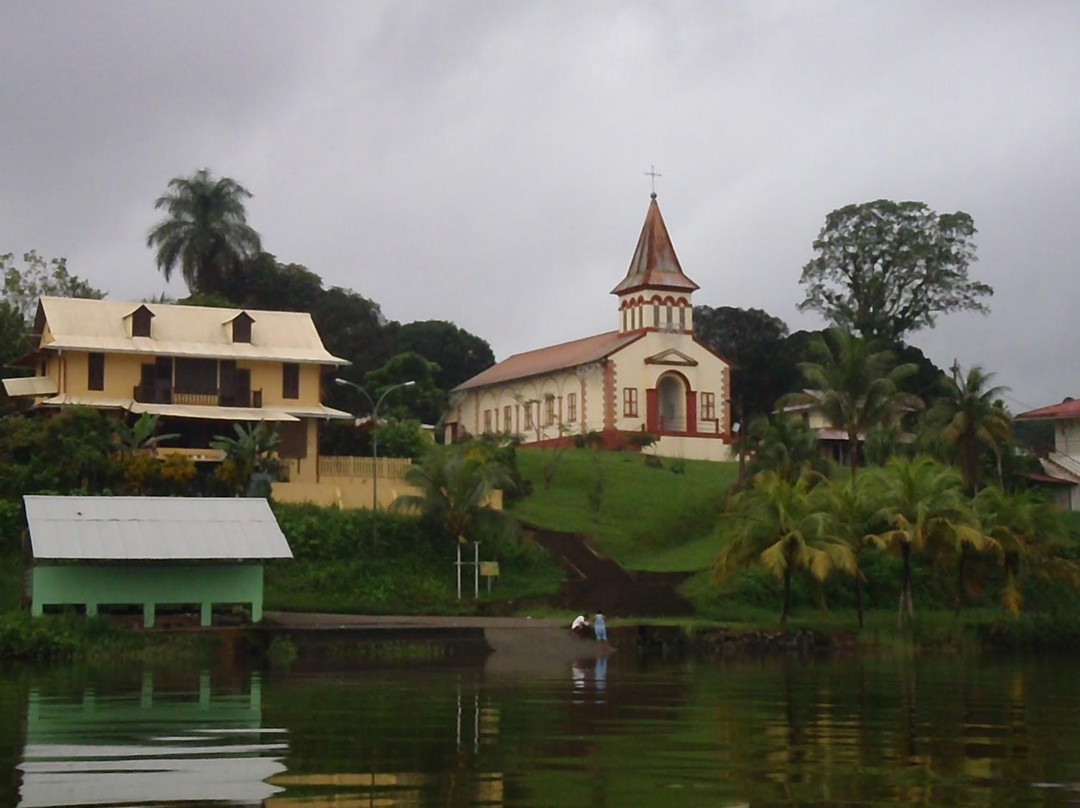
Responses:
[241,327]
[140,322]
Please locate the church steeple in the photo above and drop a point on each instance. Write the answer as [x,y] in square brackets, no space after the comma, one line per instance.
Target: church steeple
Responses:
[655,292]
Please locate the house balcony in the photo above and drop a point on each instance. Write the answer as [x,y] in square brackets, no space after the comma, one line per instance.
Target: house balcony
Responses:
[165,394]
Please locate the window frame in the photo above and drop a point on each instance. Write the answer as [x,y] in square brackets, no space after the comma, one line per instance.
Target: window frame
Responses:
[708,406]
[95,371]
[290,387]
[630,402]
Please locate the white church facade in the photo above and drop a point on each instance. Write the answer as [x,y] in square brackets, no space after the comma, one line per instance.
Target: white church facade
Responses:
[650,375]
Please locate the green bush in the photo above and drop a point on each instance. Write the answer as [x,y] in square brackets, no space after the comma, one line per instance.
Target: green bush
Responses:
[36,640]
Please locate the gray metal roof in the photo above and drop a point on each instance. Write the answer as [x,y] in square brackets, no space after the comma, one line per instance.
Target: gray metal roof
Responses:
[153,528]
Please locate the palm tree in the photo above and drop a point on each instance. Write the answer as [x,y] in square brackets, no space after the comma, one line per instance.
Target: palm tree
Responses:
[855,386]
[251,460]
[851,515]
[969,418]
[1021,524]
[783,443]
[455,487]
[775,524]
[140,437]
[205,231]
[923,504]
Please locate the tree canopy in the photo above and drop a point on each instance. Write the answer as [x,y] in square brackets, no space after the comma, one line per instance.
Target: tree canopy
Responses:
[459,354]
[205,231]
[884,269]
[757,345]
[855,385]
[40,278]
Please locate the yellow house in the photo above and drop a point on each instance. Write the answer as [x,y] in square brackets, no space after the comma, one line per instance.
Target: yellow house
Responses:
[201,370]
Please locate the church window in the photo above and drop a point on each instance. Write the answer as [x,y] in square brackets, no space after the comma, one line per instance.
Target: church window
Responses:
[670,319]
[624,319]
[487,420]
[682,318]
[571,407]
[629,398]
[656,313]
[708,406]
[508,421]
[528,415]
[549,410]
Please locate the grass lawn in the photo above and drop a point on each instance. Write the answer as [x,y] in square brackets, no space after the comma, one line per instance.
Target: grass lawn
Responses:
[649,518]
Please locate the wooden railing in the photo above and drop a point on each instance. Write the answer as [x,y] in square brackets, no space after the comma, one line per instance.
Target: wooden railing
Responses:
[389,467]
[148,394]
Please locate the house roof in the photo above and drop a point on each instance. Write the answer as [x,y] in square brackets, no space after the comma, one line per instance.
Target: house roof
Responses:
[654,264]
[103,325]
[30,386]
[554,357]
[1069,408]
[153,529]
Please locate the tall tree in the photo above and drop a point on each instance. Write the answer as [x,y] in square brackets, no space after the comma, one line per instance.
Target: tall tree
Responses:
[40,278]
[1023,525]
[454,491]
[851,515]
[969,418]
[884,269]
[923,505]
[855,386]
[785,444]
[205,231]
[459,354]
[776,524]
[261,282]
[764,362]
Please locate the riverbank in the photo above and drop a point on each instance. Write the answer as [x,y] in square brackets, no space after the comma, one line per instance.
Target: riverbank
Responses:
[518,643]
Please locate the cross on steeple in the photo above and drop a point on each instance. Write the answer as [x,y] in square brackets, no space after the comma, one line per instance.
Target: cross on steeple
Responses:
[653,174]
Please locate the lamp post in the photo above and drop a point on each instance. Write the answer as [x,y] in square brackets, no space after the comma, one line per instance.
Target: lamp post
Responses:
[374,447]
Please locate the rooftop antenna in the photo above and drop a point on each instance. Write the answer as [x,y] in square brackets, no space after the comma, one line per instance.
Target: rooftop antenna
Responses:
[653,174]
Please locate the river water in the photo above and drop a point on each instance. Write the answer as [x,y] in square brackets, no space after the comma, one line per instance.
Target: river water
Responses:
[955,731]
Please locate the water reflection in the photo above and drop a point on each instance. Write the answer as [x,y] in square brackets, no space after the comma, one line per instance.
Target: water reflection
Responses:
[600,732]
[107,749]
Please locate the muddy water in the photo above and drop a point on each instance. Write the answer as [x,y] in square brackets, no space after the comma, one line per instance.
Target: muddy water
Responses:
[957,732]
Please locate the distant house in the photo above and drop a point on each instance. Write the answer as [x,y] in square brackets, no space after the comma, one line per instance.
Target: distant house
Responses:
[651,374]
[202,370]
[833,442]
[1061,466]
[105,553]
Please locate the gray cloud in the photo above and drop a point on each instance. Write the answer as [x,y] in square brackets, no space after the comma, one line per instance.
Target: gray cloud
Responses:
[482,162]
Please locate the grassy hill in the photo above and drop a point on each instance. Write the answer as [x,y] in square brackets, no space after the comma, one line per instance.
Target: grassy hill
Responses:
[648,518]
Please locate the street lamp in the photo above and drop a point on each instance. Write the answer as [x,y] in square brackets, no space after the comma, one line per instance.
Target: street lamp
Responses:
[374,448]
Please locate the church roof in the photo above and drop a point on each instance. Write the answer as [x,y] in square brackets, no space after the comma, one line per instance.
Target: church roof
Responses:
[654,264]
[555,357]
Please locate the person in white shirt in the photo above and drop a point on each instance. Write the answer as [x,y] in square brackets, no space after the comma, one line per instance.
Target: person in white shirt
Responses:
[580,625]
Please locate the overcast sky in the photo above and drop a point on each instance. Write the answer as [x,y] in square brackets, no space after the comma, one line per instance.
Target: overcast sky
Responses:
[482,162]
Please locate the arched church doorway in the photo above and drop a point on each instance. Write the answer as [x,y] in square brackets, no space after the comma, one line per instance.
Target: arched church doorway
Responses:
[671,399]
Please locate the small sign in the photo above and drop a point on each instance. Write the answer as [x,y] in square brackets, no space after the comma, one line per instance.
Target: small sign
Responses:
[489,569]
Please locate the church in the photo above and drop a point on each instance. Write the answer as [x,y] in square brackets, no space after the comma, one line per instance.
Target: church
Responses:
[649,376]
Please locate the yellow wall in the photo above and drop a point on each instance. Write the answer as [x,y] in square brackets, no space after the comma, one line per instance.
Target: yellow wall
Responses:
[267,376]
[123,373]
